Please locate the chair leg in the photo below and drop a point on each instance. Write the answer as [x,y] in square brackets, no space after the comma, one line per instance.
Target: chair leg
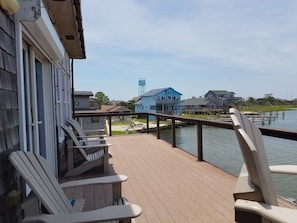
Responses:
[70,155]
[126,221]
[105,160]
[246,217]
[116,191]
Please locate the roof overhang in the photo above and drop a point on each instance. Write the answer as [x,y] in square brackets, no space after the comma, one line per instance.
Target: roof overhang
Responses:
[67,19]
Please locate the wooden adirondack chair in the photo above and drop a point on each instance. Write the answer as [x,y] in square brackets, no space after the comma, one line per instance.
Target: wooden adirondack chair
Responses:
[81,133]
[93,154]
[33,168]
[241,121]
[265,207]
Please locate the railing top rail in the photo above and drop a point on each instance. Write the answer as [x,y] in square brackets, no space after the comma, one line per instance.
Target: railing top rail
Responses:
[279,133]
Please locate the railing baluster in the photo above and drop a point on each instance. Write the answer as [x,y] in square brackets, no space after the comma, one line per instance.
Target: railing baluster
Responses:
[173,132]
[109,123]
[147,124]
[158,127]
[199,142]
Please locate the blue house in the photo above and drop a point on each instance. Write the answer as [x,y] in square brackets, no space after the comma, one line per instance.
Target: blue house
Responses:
[163,100]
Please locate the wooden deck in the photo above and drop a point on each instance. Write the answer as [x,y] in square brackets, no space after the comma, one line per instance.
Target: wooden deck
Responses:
[169,184]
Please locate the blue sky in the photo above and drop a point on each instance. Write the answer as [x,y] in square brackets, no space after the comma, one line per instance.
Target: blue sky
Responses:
[245,46]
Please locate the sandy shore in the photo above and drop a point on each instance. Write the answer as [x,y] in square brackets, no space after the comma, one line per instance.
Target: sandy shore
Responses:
[131,128]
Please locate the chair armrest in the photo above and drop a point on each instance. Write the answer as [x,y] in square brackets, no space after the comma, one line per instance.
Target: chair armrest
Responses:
[273,213]
[245,189]
[98,180]
[94,130]
[90,146]
[110,213]
[284,169]
[90,139]
[94,136]
[93,141]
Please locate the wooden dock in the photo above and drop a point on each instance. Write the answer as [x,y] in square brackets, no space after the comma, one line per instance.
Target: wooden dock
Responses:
[169,184]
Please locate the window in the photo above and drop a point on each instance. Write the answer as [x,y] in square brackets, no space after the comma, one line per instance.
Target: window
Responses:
[63,98]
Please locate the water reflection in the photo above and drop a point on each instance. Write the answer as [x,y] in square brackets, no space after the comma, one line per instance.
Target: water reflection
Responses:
[220,147]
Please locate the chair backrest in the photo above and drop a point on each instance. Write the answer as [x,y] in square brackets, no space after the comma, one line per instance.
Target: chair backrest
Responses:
[77,127]
[252,148]
[35,171]
[250,128]
[69,132]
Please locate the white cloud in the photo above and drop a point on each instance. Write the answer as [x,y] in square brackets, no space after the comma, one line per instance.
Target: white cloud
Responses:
[255,37]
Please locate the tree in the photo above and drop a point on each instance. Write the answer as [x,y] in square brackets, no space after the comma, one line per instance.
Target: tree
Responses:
[129,104]
[101,98]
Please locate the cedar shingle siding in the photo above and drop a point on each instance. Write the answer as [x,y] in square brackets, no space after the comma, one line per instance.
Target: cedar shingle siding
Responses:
[9,121]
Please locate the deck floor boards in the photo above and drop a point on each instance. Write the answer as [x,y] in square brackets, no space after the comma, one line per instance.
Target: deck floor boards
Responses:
[169,184]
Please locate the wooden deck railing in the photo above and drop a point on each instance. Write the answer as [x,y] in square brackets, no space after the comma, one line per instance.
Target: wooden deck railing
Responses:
[278,133]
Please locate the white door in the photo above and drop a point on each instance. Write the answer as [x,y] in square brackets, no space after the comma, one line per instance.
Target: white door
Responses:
[39,106]
[32,130]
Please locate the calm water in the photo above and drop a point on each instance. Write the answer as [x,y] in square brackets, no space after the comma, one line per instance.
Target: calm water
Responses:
[220,147]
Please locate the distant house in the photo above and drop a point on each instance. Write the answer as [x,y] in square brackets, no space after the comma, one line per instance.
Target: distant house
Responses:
[116,109]
[163,100]
[82,105]
[214,101]
[82,100]
[222,99]
[197,105]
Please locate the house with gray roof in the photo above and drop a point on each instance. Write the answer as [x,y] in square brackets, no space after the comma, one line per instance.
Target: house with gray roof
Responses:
[197,105]
[82,100]
[215,101]
[222,98]
[162,100]
[117,109]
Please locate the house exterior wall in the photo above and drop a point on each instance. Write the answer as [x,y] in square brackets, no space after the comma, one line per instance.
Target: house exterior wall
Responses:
[221,99]
[81,102]
[62,110]
[214,98]
[214,101]
[148,104]
[34,84]
[192,108]
[45,91]
[167,101]
[197,106]
[92,125]
[9,116]
[138,106]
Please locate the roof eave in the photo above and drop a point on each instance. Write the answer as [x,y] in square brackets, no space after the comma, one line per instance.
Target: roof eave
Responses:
[70,30]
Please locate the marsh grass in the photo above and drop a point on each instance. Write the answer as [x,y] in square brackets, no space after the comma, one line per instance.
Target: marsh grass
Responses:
[271,108]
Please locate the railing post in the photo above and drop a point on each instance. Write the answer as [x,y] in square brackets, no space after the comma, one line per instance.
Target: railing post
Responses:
[158,127]
[173,132]
[109,125]
[199,142]
[147,124]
